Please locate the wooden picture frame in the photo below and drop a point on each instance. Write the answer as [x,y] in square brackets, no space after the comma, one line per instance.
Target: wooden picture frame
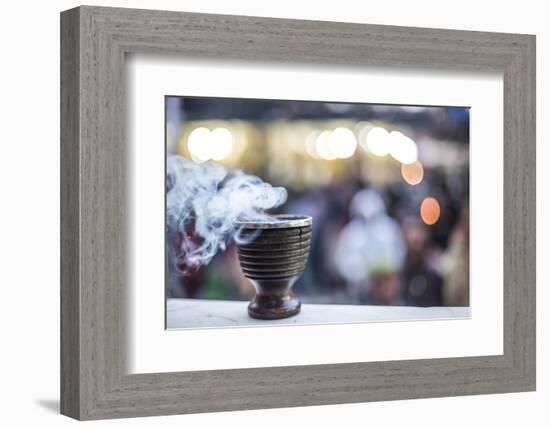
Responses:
[94,41]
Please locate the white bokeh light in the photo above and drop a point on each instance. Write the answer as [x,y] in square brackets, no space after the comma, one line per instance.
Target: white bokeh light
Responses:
[342,143]
[204,144]
[221,143]
[322,146]
[402,148]
[198,144]
[378,141]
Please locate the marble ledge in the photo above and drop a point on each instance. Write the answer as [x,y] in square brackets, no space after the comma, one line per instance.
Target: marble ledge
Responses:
[184,313]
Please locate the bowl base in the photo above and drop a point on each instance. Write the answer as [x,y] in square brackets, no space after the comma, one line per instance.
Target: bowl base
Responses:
[272,307]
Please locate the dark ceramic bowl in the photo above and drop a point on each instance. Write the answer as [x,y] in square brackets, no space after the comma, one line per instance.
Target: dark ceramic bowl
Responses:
[273,254]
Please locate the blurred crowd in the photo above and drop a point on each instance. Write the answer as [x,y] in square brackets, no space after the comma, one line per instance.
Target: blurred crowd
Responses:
[364,250]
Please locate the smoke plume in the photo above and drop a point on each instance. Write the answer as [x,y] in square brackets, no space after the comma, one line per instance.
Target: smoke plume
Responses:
[202,203]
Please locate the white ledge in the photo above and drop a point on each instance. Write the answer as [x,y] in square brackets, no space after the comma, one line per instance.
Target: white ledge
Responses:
[182,313]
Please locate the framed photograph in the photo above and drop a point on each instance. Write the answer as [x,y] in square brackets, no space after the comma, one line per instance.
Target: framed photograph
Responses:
[261,213]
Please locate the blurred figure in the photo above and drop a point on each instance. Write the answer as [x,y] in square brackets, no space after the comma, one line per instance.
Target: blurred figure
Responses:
[456,264]
[384,288]
[369,251]
[422,285]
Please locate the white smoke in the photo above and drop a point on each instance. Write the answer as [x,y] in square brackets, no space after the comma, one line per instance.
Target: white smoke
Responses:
[202,203]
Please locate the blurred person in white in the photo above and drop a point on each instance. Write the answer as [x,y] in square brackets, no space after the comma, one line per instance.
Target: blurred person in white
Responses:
[370,251]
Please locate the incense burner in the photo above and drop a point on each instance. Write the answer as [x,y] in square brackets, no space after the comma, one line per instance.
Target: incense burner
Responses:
[273,254]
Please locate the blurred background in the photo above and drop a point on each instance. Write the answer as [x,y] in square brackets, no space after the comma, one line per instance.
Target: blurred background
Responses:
[387,187]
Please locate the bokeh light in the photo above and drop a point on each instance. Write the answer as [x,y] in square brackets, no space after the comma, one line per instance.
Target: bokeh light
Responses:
[221,143]
[342,142]
[310,142]
[197,143]
[204,144]
[402,148]
[322,146]
[412,173]
[378,141]
[430,210]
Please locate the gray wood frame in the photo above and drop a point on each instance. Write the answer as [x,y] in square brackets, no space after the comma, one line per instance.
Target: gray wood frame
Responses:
[94,42]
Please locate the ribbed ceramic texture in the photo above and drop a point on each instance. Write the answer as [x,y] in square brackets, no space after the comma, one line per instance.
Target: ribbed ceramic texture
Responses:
[274,253]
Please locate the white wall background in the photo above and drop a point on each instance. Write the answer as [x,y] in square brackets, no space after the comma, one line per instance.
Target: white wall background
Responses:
[29,212]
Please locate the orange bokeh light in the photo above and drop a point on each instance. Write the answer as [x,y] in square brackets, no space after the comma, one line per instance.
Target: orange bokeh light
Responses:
[412,173]
[430,210]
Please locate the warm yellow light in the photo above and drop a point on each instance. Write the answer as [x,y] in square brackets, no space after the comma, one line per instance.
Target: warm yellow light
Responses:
[311,140]
[221,143]
[342,143]
[198,144]
[378,141]
[322,146]
[204,144]
[412,173]
[430,210]
[403,148]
